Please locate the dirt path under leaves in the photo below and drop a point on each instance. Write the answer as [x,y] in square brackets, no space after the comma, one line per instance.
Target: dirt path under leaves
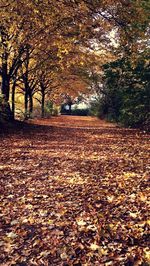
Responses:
[73,191]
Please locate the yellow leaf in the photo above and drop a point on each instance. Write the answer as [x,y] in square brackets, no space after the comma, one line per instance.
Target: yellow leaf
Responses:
[63,256]
[81,222]
[133,214]
[50,221]
[94,247]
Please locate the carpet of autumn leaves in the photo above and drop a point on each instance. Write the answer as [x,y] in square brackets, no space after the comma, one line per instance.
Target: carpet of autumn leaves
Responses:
[73,191]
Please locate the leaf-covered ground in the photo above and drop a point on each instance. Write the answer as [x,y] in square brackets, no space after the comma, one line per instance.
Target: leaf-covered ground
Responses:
[73,191]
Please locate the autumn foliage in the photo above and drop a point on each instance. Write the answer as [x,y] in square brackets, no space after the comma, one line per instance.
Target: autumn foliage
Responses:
[74,190]
[43,41]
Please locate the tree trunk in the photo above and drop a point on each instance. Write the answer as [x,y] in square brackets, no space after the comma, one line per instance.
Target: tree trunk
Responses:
[43,105]
[26,105]
[13,100]
[70,104]
[5,86]
[30,104]
[26,84]
[43,99]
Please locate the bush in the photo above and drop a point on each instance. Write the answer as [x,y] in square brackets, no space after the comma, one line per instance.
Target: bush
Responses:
[48,108]
[80,112]
[55,111]
[134,117]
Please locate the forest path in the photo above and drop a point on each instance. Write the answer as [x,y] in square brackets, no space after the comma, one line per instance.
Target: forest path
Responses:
[73,191]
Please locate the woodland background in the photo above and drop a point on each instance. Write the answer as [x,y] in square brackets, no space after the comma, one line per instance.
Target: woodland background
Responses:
[60,51]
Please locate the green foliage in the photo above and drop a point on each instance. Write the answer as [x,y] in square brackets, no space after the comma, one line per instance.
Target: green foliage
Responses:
[55,111]
[127,94]
[96,108]
[134,111]
[80,112]
[49,108]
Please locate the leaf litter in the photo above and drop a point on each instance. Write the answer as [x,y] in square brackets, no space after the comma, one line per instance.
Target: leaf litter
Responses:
[74,191]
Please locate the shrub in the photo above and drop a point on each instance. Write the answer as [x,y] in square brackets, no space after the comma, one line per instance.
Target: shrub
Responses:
[55,111]
[80,112]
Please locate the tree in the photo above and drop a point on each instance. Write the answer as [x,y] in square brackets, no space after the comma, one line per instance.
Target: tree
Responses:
[126,97]
[14,37]
[61,32]
[47,85]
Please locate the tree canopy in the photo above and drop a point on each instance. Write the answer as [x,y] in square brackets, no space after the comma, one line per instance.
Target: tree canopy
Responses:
[44,40]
